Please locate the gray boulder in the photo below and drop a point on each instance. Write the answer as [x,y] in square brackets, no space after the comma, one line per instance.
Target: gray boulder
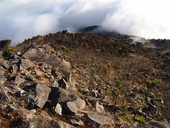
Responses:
[70,108]
[26,64]
[65,96]
[42,94]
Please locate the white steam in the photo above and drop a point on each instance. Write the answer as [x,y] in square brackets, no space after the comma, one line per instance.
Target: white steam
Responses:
[20,19]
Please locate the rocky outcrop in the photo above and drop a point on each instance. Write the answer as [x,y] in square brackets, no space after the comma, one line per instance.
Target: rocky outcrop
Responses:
[50,83]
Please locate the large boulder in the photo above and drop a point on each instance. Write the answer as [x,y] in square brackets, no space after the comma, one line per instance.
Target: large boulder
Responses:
[65,96]
[42,94]
[26,64]
[70,108]
[31,54]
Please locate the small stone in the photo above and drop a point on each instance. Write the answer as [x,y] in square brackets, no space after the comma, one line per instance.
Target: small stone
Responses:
[61,124]
[95,93]
[0,122]
[2,71]
[38,73]
[58,109]
[19,80]
[55,84]
[77,122]
[19,53]
[2,80]
[99,108]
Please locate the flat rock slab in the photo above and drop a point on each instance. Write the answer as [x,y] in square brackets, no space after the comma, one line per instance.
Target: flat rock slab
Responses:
[71,106]
[42,94]
[99,118]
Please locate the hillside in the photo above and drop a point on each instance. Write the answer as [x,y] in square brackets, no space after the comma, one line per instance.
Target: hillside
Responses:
[84,80]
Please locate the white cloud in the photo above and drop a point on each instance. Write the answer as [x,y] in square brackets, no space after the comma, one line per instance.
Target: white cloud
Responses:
[20,19]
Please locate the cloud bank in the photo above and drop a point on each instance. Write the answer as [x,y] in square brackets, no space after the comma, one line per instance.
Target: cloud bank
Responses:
[21,19]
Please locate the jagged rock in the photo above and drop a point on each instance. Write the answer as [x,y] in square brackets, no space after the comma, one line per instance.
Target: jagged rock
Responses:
[19,80]
[70,108]
[66,68]
[26,64]
[30,54]
[65,96]
[61,124]
[95,93]
[4,63]
[42,94]
[100,118]
[81,104]
[18,91]
[58,109]
[38,73]
[159,124]
[99,108]
[77,122]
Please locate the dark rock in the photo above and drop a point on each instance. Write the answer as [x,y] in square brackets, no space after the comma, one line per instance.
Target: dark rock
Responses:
[31,104]
[62,83]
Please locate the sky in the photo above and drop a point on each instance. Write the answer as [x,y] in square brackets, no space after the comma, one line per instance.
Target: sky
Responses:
[22,19]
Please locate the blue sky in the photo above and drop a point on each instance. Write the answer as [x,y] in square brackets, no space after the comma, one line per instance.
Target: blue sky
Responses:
[21,19]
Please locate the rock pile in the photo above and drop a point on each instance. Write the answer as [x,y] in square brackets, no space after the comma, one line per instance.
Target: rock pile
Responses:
[36,91]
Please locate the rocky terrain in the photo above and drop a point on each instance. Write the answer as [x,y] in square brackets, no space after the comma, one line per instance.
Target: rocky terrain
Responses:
[66,80]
